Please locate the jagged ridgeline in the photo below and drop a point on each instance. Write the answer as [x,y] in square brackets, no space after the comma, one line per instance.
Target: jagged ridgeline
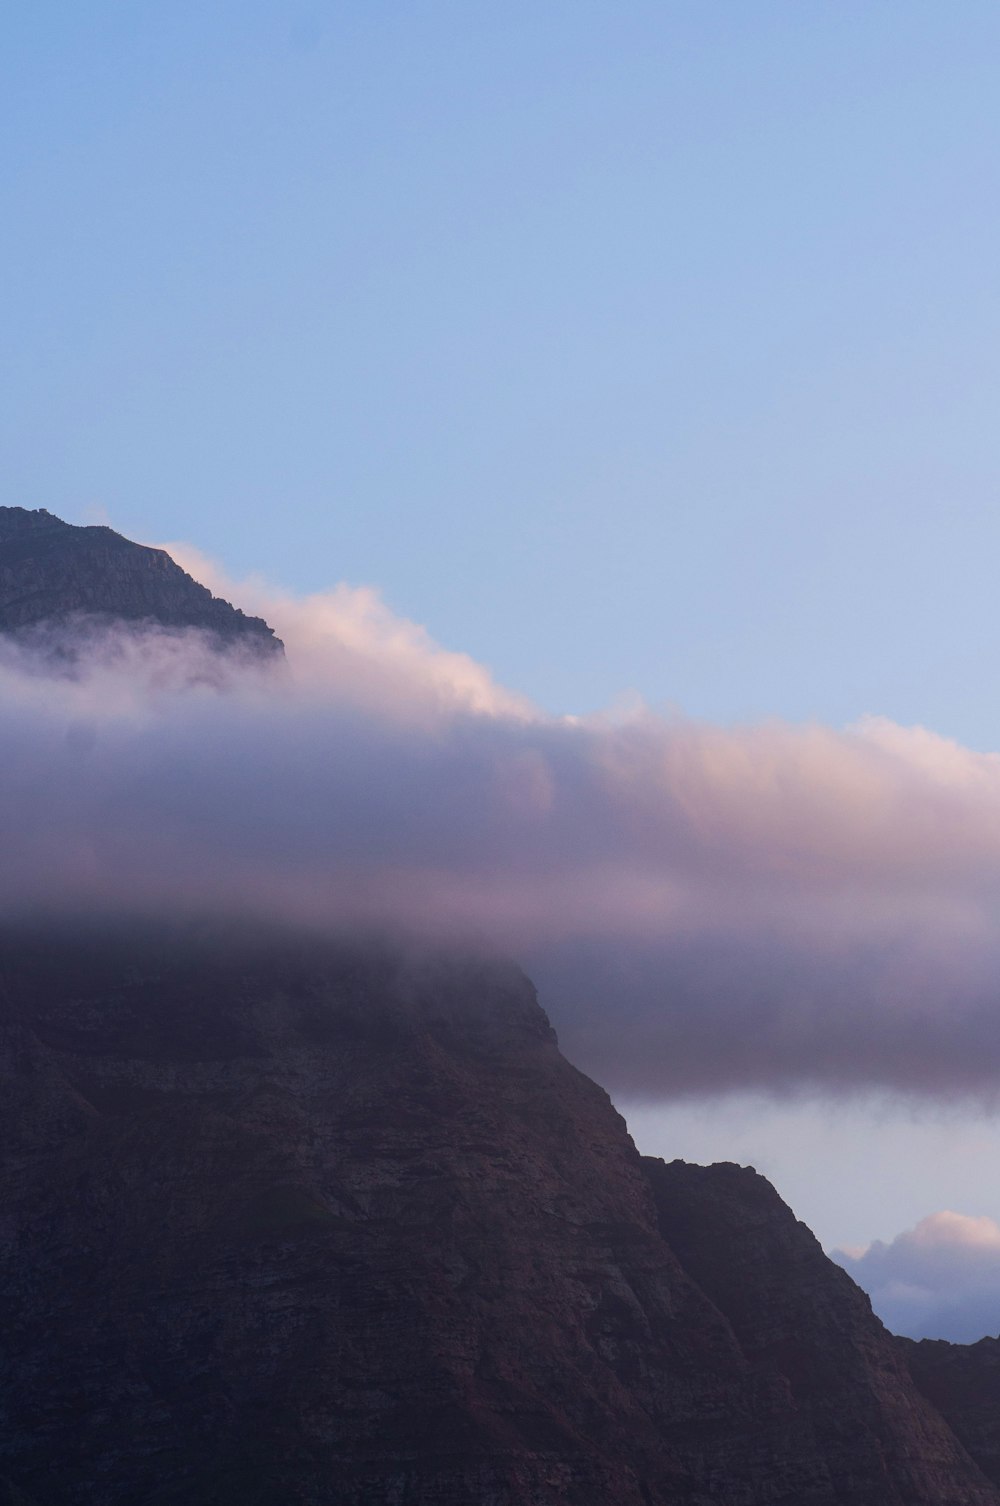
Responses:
[56,575]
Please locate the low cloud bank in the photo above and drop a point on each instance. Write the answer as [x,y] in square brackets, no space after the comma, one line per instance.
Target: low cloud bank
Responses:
[939,1280]
[705,908]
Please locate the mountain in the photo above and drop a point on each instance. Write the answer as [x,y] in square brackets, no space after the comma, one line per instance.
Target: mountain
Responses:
[287,1219]
[295,1221]
[52,572]
[963,1382]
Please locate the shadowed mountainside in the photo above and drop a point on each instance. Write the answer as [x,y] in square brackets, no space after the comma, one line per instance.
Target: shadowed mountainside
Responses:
[290,1221]
[52,572]
[963,1382]
[293,1221]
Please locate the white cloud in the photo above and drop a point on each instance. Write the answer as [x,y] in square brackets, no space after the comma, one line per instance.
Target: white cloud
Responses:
[939,1280]
[707,908]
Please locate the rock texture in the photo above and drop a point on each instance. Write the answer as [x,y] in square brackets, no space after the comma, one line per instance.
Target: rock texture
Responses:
[52,572]
[803,1319]
[291,1222]
[963,1382]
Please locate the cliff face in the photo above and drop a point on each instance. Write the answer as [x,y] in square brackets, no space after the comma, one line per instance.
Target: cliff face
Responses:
[801,1318]
[288,1222]
[284,1221]
[53,572]
[963,1382]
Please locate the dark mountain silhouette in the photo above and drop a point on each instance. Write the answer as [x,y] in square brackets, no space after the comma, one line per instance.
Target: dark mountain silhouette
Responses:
[963,1383]
[290,1221]
[52,572]
[286,1220]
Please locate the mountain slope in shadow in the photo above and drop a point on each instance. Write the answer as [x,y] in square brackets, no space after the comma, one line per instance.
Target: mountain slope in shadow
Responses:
[295,1221]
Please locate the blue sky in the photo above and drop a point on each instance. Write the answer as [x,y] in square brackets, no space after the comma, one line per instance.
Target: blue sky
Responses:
[648,347]
[643,347]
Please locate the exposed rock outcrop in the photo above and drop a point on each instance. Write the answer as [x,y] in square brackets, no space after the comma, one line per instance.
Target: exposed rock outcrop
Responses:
[963,1382]
[55,573]
[801,1318]
[292,1222]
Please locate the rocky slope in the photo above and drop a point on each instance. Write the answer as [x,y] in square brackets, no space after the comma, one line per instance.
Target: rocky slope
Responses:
[803,1318]
[291,1222]
[963,1382]
[52,572]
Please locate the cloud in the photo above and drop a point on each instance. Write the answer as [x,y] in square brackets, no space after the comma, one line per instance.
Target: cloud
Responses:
[778,907]
[939,1280]
[347,642]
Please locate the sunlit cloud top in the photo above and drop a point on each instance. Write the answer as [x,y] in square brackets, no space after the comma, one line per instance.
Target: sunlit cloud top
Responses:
[792,907]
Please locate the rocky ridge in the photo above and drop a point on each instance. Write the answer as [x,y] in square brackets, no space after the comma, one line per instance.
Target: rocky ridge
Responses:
[54,573]
[962,1381]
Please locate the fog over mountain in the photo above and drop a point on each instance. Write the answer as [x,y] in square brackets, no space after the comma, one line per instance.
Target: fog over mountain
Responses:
[302,1201]
[705,907]
[58,574]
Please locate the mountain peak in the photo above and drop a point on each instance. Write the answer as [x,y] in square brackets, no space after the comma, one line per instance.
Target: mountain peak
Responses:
[57,572]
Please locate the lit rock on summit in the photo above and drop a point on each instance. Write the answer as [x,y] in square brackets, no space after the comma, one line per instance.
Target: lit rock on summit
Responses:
[53,572]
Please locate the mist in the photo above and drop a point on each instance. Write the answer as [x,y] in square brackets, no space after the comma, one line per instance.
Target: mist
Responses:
[792,908]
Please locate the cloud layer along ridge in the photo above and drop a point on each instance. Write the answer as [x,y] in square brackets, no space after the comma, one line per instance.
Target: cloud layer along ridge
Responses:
[785,907]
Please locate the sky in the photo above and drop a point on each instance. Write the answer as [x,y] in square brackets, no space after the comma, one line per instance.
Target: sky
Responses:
[647,355]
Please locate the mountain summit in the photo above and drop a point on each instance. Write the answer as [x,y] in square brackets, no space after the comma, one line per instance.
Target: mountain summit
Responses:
[56,572]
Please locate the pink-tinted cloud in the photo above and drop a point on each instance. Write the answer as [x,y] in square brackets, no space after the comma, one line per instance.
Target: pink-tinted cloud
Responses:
[939,1280]
[704,907]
